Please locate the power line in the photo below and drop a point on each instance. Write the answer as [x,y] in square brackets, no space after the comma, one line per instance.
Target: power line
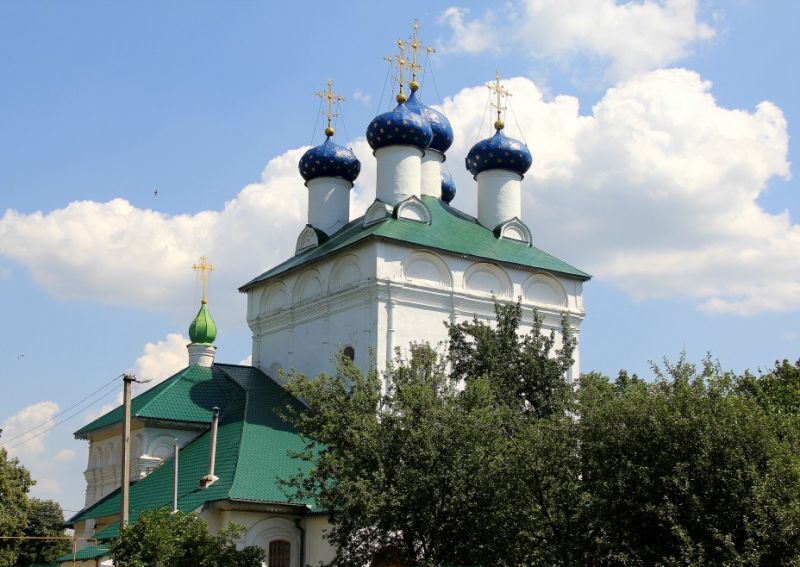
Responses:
[32,429]
[57,423]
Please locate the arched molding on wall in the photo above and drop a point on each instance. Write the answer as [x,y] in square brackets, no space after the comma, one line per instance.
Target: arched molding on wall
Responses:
[427,267]
[346,272]
[269,529]
[162,447]
[110,454]
[274,297]
[96,457]
[543,289]
[308,286]
[136,445]
[489,279]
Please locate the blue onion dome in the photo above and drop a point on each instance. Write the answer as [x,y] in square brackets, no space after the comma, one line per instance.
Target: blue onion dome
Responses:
[448,188]
[329,160]
[399,127]
[499,152]
[440,125]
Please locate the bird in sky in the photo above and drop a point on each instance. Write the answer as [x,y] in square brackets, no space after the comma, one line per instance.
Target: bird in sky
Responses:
[155,193]
[20,356]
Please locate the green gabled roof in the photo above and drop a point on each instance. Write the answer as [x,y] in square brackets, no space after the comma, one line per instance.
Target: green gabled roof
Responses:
[450,231]
[186,397]
[252,454]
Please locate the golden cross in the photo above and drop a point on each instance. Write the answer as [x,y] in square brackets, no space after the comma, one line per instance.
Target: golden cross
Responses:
[330,98]
[502,94]
[402,64]
[416,45]
[204,268]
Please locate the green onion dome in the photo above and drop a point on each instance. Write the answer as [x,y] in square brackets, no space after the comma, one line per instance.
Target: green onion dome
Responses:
[203,330]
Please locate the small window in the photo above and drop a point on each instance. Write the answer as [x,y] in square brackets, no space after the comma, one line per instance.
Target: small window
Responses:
[279,553]
[349,352]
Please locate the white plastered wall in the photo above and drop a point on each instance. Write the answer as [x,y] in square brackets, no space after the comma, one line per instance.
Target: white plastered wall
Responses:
[384,295]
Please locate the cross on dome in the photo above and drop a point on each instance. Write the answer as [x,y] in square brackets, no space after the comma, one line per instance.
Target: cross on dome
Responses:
[416,46]
[501,93]
[330,98]
[401,64]
[205,269]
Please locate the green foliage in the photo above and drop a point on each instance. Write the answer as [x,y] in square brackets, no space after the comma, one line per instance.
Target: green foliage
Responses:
[695,468]
[15,481]
[45,518]
[160,538]
[425,469]
[488,456]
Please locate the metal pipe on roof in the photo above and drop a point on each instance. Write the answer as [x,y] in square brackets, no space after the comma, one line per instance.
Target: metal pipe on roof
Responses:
[211,478]
[175,478]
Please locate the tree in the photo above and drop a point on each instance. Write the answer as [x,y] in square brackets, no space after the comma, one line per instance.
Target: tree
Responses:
[160,538]
[695,468]
[429,473]
[45,519]
[15,481]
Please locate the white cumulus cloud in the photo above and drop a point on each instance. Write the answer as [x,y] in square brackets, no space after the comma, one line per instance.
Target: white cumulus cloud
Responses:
[24,433]
[628,37]
[656,191]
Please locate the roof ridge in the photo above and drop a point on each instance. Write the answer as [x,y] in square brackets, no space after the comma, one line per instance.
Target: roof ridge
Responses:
[244,430]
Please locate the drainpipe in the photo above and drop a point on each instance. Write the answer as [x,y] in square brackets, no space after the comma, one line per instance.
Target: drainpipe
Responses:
[175,479]
[211,478]
[302,541]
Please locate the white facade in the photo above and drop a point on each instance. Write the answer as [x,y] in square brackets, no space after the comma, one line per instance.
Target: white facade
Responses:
[382,295]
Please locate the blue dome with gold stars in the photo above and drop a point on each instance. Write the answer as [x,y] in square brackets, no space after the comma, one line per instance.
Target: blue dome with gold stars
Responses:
[499,152]
[448,188]
[329,160]
[399,127]
[440,125]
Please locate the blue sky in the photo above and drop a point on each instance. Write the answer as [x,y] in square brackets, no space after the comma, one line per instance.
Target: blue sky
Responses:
[658,167]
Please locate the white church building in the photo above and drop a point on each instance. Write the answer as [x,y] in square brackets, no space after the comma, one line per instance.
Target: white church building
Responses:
[364,286]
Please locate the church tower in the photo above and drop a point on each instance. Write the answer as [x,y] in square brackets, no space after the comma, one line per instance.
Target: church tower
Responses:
[370,285]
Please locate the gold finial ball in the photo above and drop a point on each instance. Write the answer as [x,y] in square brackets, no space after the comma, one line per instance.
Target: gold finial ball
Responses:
[203,301]
[401,98]
[413,85]
[499,125]
[329,131]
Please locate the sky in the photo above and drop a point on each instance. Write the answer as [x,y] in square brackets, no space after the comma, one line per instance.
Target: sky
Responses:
[662,135]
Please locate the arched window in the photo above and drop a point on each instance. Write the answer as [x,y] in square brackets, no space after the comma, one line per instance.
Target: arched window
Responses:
[349,352]
[279,553]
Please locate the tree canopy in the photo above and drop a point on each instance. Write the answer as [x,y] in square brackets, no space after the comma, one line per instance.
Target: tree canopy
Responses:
[486,455]
[21,515]
[161,538]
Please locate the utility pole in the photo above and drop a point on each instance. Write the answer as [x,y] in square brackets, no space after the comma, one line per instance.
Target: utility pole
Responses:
[127,380]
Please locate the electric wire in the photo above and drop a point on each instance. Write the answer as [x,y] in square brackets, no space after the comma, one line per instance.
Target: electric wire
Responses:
[316,123]
[340,115]
[383,90]
[59,414]
[66,418]
[519,127]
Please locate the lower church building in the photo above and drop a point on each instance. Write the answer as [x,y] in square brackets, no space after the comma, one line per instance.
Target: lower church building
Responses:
[366,287]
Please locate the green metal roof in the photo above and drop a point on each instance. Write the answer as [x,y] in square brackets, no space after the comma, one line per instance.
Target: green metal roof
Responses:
[450,231]
[185,397]
[86,554]
[252,453]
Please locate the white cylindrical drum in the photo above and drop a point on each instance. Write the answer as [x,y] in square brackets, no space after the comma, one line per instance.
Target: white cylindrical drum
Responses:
[432,173]
[399,173]
[499,196]
[328,203]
